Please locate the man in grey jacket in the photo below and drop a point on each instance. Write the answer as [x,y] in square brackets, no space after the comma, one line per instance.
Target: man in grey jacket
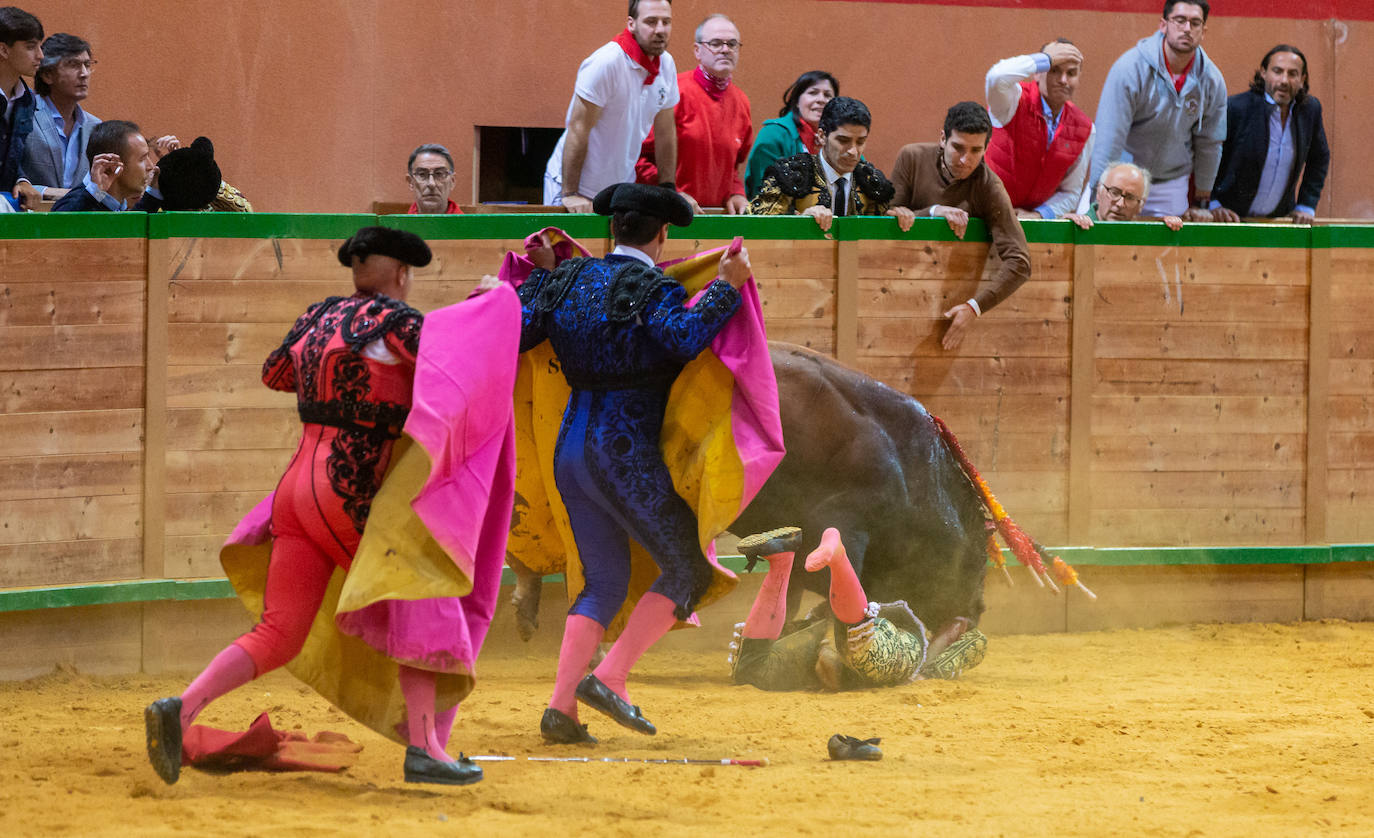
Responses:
[55,155]
[1164,108]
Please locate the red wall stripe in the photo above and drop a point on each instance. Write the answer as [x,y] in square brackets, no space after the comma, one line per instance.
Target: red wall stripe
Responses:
[1309,10]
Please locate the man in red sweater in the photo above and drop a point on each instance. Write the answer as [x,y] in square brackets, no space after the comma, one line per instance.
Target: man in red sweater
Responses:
[714,128]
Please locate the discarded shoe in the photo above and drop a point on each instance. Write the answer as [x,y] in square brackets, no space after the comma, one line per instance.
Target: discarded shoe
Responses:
[600,697]
[559,728]
[785,539]
[420,767]
[847,747]
[162,723]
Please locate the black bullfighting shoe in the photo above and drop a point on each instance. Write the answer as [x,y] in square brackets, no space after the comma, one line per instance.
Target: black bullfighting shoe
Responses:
[420,767]
[162,722]
[847,747]
[598,696]
[559,728]
[760,544]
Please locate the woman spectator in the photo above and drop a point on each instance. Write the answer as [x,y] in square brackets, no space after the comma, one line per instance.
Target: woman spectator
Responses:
[794,131]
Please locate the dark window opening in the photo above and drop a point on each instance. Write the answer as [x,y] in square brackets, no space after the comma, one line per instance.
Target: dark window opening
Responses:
[510,167]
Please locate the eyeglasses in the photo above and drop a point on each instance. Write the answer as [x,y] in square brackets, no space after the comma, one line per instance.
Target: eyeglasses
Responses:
[422,175]
[717,45]
[73,64]
[1187,22]
[1125,196]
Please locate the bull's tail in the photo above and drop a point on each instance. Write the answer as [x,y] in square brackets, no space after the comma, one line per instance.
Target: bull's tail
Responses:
[1027,550]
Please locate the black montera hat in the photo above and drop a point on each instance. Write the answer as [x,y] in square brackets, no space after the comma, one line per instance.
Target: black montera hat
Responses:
[189,178]
[653,201]
[385,241]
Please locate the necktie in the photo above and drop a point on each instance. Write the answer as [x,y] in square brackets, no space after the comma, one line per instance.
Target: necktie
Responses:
[841,202]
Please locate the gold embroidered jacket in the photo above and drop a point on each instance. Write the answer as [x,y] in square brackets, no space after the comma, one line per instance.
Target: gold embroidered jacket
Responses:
[794,184]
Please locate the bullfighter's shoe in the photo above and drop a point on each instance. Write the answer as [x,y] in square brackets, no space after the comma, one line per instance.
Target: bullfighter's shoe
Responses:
[162,723]
[781,540]
[420,767]
[600,697]
[848,747]
[559,728]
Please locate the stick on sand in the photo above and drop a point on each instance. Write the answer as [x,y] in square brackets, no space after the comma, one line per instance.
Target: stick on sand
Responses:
[751,763]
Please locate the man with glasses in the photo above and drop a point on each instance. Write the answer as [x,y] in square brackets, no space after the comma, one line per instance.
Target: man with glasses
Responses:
[55,155]
[1120,195]
[430,175]
[714,128]
[623,90]
[1164,107]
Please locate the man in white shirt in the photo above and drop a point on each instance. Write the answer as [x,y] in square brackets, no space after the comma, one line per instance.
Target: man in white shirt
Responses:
[623,90]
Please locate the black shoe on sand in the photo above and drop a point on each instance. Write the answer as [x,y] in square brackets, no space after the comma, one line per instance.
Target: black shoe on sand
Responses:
[598,696]
[420,767]
[848,747]
[162,722]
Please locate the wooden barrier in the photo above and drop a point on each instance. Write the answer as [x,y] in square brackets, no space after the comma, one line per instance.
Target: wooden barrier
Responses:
[1145,388]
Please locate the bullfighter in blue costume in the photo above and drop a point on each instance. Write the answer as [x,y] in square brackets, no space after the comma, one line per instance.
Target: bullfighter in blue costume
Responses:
[622,332]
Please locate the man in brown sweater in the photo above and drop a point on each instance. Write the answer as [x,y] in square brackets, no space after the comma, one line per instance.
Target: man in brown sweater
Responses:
[948,180]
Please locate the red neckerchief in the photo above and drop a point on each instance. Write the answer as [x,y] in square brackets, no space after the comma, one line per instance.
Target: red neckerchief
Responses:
[1181,77]
[634,50]
[714,87]
[808,134]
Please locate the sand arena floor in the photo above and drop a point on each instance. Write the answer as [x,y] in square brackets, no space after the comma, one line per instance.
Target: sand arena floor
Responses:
[1200,730]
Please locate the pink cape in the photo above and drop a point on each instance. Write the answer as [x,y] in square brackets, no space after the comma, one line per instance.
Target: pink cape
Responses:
[424,583]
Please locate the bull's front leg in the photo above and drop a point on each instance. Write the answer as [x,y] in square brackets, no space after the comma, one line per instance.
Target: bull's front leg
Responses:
[529,587]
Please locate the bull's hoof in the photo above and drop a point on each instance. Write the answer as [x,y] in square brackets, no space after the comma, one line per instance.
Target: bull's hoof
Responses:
[780,540]
[526,602]
[960,656]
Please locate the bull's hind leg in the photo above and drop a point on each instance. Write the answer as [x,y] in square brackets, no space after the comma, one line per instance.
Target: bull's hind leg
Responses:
[529,586]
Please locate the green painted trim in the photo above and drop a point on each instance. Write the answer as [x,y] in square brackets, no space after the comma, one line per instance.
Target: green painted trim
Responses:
[588,228]
[183,590]
[1153,233]
[73,225]
[758,227]
[874,228]
[1343,236]
[255,225]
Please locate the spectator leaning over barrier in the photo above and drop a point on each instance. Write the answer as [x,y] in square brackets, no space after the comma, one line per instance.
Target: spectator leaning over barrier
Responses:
[714,128]
[1120,194]
[836,180]
[948,180]
[429,171]
[1164,107]
[1042,143]
[123,169]
[623,90]
[794,129]
[1274,133]
[54,157]
[21,51]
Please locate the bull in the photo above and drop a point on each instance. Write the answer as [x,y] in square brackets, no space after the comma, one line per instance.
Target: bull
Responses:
[873,463]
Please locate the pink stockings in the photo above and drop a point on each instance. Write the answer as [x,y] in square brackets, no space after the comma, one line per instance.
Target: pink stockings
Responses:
[427,729]
[769,612]
[652,618]
[847,598]
[231,669]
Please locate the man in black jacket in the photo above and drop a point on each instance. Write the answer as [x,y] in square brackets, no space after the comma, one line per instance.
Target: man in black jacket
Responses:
[1274,134]
[123,171]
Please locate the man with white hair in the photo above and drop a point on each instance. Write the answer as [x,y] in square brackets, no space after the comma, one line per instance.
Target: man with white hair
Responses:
[714,128]
[1121,193]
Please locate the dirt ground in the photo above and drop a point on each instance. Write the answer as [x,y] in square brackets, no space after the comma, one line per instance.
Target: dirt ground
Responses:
[1202,730]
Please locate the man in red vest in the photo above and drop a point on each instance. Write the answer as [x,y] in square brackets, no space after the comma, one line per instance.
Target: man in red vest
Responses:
[1042,142]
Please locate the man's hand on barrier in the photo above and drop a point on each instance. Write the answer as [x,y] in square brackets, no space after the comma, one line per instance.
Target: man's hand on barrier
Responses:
[905,217]
[823,216]
[957,219]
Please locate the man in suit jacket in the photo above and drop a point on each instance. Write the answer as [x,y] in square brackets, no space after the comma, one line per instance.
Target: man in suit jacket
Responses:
[1273,133]
[54,157]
